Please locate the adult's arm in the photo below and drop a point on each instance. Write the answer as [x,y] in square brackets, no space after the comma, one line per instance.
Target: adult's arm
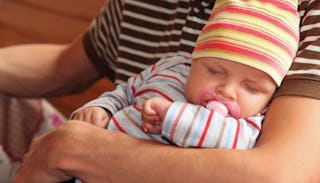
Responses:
[287,151]
[38,70]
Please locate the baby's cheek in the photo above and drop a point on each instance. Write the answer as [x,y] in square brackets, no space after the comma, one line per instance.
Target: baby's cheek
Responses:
[249,110]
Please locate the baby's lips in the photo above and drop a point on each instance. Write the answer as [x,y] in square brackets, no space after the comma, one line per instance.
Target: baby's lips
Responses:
[218,107]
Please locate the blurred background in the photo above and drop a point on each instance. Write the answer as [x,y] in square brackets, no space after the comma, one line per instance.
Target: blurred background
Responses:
[51,21]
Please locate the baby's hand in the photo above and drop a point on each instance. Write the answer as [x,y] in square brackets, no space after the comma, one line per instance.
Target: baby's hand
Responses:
[151,121]
[153,113]
[94,115]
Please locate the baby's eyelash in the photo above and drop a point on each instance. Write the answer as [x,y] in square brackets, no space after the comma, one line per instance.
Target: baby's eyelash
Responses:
[250,88]
[216,73]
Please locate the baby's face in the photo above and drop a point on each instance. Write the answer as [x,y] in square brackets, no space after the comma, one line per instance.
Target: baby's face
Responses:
[245,87]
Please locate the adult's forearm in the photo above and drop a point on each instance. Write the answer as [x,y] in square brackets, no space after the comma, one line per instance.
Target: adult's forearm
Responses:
[289,136]
[23,68]
[286,152]
[120,158]
[39,70]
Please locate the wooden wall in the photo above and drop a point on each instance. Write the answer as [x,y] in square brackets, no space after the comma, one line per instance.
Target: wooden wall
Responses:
[50,21]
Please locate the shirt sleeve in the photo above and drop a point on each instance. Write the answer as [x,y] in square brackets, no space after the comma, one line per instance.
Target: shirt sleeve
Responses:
[189,125]
[122,96]
[125,94]
[303,78]
[102,38]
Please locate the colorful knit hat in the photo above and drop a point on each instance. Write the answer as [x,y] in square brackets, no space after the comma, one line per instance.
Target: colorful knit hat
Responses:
[263,34]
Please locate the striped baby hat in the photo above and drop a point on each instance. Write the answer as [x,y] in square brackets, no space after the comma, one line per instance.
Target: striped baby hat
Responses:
[263,34]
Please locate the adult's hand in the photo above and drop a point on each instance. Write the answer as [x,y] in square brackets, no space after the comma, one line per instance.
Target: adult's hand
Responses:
[41,163]
[76,149]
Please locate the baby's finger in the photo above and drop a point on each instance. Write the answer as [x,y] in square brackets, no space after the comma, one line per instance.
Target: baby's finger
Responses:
[99,118]
[150,128]
[147,109]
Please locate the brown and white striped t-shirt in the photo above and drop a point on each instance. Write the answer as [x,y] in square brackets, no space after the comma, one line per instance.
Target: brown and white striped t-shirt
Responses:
[129,35]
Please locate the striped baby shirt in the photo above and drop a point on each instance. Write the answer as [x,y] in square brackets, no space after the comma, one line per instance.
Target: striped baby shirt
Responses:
[185,124]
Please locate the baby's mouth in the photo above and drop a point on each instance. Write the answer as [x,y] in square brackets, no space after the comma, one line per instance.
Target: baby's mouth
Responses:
[206,99]
[226,108]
